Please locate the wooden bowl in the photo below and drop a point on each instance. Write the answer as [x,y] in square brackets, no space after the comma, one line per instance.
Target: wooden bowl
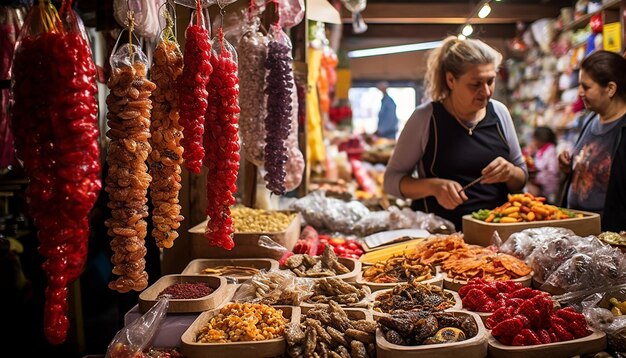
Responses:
[149,296]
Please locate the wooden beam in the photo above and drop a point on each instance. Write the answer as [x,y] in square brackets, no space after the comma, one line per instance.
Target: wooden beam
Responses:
[438,13]
[430,32]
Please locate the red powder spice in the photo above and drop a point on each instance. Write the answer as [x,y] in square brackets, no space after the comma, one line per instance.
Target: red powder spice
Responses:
[185,291]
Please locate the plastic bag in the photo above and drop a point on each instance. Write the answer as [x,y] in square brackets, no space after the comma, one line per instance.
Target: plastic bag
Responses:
[522,244]
[276,287]
[145,14]
[290,12]
[231,22]
[592,266]
[329,213]
[252,99]
[134,338]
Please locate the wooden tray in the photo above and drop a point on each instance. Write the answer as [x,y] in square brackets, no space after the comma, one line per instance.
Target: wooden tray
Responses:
[383,239]
[196,266]
[455,284]
[351,264]
[458,304]
[268,348]
[149,296]
[436,280]
[479,232]
[246,244]
[475,347]
[596,342]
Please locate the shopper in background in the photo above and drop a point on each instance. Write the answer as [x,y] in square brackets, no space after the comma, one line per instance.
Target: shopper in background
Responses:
[458,136]
[596,167]
[546,180]
[387,118]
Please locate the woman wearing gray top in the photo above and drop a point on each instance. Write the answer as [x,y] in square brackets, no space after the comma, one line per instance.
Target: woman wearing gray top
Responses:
[461,135]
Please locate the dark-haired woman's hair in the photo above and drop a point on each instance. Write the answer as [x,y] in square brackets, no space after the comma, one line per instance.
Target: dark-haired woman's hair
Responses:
[544,135]
[604,67]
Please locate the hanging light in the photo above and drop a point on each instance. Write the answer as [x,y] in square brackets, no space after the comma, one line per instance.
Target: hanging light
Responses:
[467,30]
[461,37]
[484,11]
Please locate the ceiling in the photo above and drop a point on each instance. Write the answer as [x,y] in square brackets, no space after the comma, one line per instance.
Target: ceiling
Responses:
[435,19]
[402,22]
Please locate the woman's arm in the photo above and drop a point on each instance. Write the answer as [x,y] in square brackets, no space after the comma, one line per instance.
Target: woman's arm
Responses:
[409,150]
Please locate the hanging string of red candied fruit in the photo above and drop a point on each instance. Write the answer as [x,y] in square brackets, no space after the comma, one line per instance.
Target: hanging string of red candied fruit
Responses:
[54,119]
[278,88]
[221,141]
[192,90]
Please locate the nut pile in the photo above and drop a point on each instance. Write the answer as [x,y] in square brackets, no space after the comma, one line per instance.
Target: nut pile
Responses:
[414,296]
[333,289]
[423,327]
[398,269]
[256,220]
[304,265]
[242,322]
[327,331]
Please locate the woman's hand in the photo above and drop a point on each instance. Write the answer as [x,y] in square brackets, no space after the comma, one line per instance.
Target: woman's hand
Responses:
[448,193]
[499,170]
[565,162]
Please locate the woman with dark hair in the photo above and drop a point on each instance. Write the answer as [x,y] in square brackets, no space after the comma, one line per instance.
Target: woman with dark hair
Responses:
[596,167]
[546,181]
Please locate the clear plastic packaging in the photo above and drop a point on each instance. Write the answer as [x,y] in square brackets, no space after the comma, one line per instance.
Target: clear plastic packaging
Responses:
[135,337]
[275,287]
[329,213]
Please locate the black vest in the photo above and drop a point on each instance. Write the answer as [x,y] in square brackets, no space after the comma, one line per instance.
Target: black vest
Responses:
[451,153]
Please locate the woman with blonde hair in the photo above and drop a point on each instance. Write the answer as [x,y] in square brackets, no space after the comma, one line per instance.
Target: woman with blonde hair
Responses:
[459,135]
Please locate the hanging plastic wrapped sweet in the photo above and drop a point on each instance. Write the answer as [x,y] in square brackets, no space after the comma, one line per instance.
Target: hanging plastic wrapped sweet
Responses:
[252,99]
[11,21]
[295,160]
[146,15]
[290,13]
[166,157]
[128,180]
[278,87]
[221,142]
[356,7]
[192,87]
[54,120]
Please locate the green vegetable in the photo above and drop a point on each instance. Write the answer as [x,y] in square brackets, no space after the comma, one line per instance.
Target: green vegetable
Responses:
[481,214]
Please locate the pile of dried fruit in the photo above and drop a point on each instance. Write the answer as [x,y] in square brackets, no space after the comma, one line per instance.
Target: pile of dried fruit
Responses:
[398,269]
[524,207]
[334,289]
[321,266]
[423,327]
[242,322]
[481,296]
[414,296]
[327,331]
[532,321]
[475,261]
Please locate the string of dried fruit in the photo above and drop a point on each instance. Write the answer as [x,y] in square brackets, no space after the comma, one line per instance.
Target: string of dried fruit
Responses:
[193,93]
[221,142]
[295,160]
[167,153]
[128,179]
[251,98]
[54,119]
[278,120]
